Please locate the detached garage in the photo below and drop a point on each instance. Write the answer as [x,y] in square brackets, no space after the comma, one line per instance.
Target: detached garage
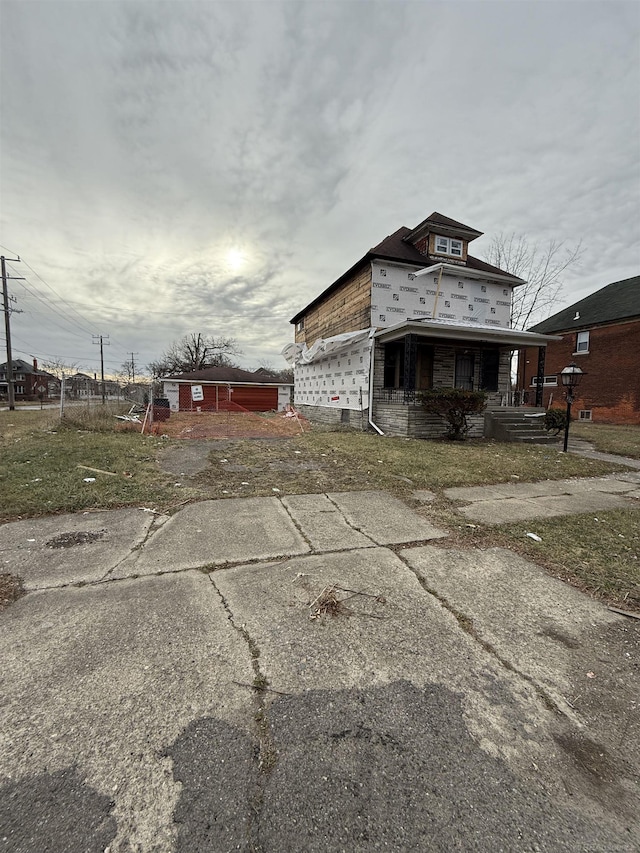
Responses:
[226,389]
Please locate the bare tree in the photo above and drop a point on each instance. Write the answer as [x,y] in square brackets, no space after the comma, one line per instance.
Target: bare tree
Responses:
[267,370]
[59,368]
[540,265]
[195,352]
[127,372]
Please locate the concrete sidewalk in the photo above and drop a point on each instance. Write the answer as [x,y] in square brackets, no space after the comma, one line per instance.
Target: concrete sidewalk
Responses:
[311,673]
[509,502]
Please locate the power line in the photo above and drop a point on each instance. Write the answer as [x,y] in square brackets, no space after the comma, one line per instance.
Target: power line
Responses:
[54,291]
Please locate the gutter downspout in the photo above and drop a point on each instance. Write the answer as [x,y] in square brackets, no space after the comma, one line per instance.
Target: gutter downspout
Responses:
[371,365]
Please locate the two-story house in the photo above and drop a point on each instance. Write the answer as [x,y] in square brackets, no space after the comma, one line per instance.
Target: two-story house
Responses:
[29,381]
[417,311]
[601,334]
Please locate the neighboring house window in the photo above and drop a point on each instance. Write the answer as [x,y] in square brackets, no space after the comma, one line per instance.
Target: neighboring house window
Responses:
[449,246]
[19,389]
[300,325]
[548,380]
[582,342]
[585,414]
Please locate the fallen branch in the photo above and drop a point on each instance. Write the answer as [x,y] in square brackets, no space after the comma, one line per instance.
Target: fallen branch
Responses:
[625,612]
[97,470]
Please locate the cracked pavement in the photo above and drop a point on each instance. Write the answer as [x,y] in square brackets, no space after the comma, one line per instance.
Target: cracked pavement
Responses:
[176,684]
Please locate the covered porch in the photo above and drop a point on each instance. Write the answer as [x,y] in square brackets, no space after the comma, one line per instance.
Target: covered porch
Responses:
[419,355]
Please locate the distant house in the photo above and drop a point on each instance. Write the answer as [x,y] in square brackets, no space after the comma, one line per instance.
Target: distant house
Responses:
[225,389]
[29,381]
[601,334]
[416,312]
[80,386]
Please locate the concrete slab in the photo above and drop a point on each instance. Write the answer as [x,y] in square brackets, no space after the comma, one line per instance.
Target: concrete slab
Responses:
[599,484]
[506,510]
[323,524]
[392,630]
[98,684]
[216,532]
[389,708]
[74,548]
[540,489]
[583,655]
[587,501]
[383,518]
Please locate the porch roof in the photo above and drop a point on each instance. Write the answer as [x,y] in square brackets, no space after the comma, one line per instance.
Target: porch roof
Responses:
[465,331]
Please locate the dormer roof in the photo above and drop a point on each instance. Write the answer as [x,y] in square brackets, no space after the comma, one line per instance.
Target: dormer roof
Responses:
[436,223]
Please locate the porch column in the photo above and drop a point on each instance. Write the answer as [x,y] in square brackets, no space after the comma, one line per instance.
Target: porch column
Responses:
[542,351]
[410,351]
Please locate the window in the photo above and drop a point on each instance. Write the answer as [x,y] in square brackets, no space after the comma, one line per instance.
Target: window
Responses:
[448,246]
[300,325]
[394,365]
[582,342]
[584,414]
[548,380]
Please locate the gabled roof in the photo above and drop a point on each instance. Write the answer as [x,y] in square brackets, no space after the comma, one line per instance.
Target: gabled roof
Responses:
[436,222]
[610,304]
[234,375]
[21,366]
[396,248]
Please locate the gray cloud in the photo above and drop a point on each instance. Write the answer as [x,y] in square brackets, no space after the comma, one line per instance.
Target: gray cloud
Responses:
[142,141]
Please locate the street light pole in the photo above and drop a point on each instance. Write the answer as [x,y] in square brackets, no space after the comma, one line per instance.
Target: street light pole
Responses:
[570,377]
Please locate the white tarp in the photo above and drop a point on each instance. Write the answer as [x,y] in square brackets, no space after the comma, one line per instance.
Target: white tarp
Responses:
[334,372]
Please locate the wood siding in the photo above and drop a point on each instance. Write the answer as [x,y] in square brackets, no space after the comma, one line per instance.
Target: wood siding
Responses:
[347,309]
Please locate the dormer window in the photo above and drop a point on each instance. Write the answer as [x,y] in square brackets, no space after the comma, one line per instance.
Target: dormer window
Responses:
[449,246]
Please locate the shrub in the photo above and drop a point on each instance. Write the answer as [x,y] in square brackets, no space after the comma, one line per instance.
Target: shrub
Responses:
[555,420]
[454,404]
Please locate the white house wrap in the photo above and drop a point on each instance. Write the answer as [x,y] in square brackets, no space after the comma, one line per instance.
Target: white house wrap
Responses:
[334,372]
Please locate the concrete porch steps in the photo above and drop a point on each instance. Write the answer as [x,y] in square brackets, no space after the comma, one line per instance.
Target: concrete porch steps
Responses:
[523,425]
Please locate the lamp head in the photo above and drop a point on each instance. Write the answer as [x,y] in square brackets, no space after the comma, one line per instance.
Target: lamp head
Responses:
[571,375]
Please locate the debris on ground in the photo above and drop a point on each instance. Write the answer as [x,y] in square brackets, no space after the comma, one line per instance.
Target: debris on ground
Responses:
[11,590]
[534,536]
[97,470]
[327,603]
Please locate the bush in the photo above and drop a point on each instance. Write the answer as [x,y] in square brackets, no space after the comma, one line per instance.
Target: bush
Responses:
[555,420]
[454,404]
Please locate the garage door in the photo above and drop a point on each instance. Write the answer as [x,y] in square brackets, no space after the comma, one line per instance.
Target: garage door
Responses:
[255,399]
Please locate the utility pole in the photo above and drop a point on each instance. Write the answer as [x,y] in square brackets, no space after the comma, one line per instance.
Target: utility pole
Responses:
[133,367]
[7,326]
[105,343]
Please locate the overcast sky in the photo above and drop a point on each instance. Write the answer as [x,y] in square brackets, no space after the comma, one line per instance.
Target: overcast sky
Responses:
[212,166]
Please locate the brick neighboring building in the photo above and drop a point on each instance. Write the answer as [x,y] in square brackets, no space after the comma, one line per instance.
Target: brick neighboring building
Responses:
[29,381]
[417,311]
[601,334]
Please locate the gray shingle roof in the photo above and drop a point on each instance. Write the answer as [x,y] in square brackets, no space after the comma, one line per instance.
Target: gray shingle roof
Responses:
[615,302]
[224,374]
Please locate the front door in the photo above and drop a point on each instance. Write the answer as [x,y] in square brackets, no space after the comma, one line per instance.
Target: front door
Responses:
[465,363]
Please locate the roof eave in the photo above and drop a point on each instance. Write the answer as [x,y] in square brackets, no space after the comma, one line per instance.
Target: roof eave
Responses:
[505,337]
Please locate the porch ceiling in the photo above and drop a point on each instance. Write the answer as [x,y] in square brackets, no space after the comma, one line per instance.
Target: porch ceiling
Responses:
[465,332]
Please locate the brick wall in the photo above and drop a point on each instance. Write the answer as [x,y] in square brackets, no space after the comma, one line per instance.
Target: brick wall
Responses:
[611,386]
